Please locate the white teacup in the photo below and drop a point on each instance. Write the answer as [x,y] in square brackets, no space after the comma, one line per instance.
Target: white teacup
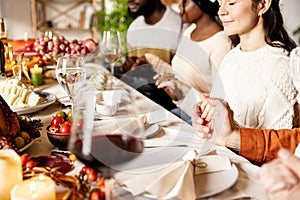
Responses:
[113,96]
[106,109]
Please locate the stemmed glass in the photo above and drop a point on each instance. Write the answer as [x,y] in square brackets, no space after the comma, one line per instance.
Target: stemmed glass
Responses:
[103,146]
[71,74]
[111,47]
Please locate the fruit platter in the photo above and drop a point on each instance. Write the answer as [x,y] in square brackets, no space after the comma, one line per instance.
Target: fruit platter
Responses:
[46,49]
[50,48]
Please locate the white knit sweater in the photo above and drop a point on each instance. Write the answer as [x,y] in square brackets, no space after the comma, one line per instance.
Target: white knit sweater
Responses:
[258,87]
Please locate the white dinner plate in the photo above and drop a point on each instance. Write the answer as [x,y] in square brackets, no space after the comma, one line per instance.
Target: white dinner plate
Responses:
[48,100]
[27,145]
[212,183]
[151,131]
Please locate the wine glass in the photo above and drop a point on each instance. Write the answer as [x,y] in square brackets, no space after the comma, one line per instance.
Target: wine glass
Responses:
[103,146]
[71,74]
[111,47]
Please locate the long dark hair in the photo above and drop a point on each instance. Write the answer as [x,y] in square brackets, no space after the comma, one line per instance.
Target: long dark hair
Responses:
[273,24]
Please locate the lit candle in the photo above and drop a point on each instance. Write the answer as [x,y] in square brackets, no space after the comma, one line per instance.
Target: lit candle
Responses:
[26,36]
[37,188]
[36,75]
[10,172]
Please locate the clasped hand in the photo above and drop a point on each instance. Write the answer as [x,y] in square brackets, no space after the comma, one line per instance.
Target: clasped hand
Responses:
[168,82]
[281,177]
[213,119]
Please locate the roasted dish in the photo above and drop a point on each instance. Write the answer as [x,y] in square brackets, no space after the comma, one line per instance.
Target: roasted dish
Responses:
[15,132]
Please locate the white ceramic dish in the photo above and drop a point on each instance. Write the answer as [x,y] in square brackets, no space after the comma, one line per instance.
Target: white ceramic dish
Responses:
[151,131]
[106,109]
[27,145]
[212,183]
[49,99]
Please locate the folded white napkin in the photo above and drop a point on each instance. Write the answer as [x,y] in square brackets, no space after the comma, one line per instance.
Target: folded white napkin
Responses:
[160,117]
[212,163]
[177,180]
[117,125]
[129,125]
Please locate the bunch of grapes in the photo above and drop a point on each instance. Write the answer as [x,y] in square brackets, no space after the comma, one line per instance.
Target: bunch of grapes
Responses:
[49,48]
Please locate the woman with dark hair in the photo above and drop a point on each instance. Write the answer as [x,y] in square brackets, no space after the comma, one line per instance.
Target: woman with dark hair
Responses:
[255,77]
[198,56]
[274,27]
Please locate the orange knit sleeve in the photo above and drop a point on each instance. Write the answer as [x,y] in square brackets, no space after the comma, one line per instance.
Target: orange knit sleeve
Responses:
[260,145]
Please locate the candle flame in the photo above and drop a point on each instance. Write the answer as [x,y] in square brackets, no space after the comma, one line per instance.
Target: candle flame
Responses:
[41,177]
[36,66]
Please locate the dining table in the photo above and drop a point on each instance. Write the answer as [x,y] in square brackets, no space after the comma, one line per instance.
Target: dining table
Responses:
[174,140]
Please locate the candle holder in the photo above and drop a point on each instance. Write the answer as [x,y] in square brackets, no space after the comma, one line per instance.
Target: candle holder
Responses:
[10,171]
[36,188]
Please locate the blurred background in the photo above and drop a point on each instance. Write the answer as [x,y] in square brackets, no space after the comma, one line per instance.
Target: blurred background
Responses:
[87,18]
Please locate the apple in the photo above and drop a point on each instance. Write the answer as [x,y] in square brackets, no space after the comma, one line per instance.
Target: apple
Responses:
[30,164]
[57,120]
[65,128]
[90,44]
[54,129]
[24,159]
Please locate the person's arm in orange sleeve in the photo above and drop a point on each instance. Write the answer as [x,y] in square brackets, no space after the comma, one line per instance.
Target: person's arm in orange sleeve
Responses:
[257,145]
[261,145]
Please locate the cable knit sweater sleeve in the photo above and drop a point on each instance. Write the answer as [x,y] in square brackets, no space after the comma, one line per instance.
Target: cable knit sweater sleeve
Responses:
[284,96]
[260,146]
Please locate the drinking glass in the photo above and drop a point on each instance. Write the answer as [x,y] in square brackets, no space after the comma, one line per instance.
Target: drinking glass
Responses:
[111,47]
[71,74]
[104,146]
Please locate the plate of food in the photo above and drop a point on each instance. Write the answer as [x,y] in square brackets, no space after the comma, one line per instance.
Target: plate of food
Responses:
[17,132]
[45,100]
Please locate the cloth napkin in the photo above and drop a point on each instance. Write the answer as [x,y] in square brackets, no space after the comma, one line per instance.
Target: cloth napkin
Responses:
[178,180]
[130,124]
[118,125]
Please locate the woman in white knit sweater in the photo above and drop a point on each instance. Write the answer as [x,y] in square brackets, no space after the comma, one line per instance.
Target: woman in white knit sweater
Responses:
[199,53]
[254,77]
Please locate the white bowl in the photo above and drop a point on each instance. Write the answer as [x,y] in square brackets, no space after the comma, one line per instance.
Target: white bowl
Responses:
[112,96]
[106,109]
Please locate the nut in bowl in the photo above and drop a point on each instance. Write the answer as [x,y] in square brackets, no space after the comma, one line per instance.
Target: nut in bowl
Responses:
[57,139]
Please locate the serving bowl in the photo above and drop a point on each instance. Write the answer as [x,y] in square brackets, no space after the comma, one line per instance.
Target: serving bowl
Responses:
[59,140]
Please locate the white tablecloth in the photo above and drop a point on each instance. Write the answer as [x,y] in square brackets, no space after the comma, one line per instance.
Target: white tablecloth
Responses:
[174,132]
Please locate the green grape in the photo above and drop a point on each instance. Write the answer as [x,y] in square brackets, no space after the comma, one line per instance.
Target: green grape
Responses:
[19,142]
[25,136]
[69,115]
[61,114]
